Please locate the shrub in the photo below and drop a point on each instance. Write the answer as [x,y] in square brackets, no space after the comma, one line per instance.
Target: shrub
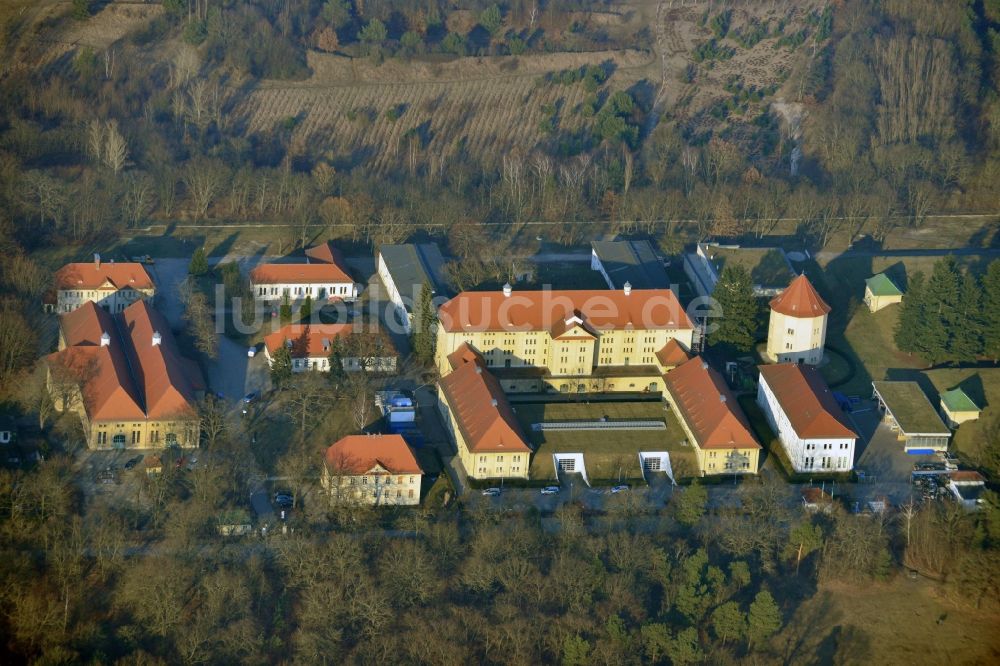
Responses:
[453,43]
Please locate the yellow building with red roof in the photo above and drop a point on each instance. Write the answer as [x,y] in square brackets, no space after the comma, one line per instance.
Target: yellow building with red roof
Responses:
[323,276]
[372,469]
[113,286]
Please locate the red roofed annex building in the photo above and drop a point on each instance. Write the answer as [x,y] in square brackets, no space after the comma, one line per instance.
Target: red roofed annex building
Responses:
[567,341]
[312,344]
[372,469]
[123,374]
[112,286]
[323,276]
[812,427]
[490,442]
[796,331]
[712,419]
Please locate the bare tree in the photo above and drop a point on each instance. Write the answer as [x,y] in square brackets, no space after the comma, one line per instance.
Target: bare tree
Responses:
[137,199]
[115,147]
[203,179]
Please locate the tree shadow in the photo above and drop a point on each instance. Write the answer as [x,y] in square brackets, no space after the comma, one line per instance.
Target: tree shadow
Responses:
[845,644]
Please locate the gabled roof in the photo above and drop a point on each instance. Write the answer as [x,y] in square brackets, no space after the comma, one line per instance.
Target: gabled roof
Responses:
[807,401]
[548,310]
[708,407]
[631,261]
[482,412]
[299,274]
[957,400]
[672,354]
[800,300]
[360,454]
[130,378]
[93,275]
[465,353]
[308,340]
[882,285]
[325,253]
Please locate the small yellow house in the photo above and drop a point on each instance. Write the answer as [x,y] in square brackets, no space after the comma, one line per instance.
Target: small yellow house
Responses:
[881,292]
[957,407]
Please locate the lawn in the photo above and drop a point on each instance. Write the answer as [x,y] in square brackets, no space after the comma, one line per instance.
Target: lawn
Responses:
[982,385]
[604,452]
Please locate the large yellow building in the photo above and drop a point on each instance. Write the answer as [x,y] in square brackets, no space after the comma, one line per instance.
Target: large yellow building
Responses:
[566,341]
[124,376]
[113,286]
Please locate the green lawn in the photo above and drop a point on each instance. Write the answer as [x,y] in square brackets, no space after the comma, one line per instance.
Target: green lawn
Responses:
[605,452]
[982,385]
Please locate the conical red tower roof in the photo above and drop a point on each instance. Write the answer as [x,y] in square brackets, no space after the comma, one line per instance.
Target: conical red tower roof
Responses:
[800,300]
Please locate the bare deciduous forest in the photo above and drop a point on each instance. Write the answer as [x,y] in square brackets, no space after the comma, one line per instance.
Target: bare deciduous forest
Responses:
[372,121]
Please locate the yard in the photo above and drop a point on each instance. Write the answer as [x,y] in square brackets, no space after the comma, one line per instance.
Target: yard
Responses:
[605,452]
[982,385]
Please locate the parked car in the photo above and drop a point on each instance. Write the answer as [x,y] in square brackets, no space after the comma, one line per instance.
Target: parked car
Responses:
[550,490]
[491,492]
[250,397]
[133,462]
[284,499]
[252,351]
[624,488]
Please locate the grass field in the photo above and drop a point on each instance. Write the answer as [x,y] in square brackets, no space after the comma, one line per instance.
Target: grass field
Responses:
[604,452]
[982,385]
[900,622]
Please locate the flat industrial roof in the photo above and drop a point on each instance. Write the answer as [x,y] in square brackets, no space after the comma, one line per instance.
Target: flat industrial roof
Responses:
[768,266]
[911,409]
[632,261]
[412,265]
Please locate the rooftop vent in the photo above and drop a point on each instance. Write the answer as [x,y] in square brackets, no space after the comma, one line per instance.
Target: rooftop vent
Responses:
[97,260]
[479,370]
[105,339]
[157,338]
[493,402]
[507,289]
[704,365]
[722,398]
[628,288]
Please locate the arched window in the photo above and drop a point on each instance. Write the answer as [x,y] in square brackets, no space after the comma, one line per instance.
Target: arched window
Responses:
[118,441]
[171,439]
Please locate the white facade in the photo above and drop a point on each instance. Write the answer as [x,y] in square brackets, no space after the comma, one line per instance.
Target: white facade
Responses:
[107,296]
[276,292]
[322,363]
[392,292]
[796,339]
[810,454]
[378,486]
[596,265]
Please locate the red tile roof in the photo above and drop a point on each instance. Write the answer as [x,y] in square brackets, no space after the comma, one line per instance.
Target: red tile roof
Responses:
[482,412]
[967,476]
[465,353]
[815,496]
[299,274]
[308,340]
[800,300]
[326,253]
[548,310]
[92,275]
[806,401]
[359,454]
[130,378]
[672,354]
[708,407]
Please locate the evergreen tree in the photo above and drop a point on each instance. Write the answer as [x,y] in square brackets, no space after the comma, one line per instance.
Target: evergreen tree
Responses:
[199,263]
[911,322]
[336,360]
[738,323]
[285,311]
[729,622]
[764,618]
[424,325]
[691,504]
[281,366]
[305,311]
[967,337]
[576,651]
[685,648]
[940,309]
[991,311]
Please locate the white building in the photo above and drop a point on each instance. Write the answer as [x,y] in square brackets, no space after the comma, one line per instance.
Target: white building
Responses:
[372,469]
[311,345]
[112,286]
[324,277]
[404,270]
[796,330]
[810,424]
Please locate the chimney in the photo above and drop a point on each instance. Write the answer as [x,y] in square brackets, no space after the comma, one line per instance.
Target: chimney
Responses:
[493,402]
[722,398]
[97,260]
[704,365]
[628,288]
[479,370]
[105,339]
[507,289]
[157,338]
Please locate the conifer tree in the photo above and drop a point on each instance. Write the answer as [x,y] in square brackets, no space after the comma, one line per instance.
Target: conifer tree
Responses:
[336,360]
[991,311]
[940,310]
[738,323]
[966,343]
[425,321]
[305,311]
[909,327]
[281,365]
[199,263]
[764,618]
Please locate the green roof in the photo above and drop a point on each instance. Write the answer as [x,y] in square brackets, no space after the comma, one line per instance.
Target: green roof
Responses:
[910,407]
[881,285]
[957,400]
